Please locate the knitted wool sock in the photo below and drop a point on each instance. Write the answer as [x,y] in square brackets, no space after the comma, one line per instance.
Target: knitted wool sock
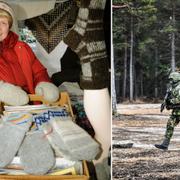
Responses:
[92,49]
[103,170]
[75,34]
[79,143]
[12,133]
[36,154]
[57,144]
[42,123]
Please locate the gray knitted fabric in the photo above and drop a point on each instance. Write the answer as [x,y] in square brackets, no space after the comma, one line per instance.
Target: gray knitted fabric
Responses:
[12,133]
[86,38]
[103,170]
[56,142]
[78,142]
[35,153]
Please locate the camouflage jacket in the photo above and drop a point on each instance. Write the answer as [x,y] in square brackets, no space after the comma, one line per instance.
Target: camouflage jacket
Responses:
[175,95]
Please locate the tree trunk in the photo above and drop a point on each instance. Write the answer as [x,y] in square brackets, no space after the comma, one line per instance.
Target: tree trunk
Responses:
[141,82]
[125,70]
[114,102]
[173,39]
[156,73]
[131,86]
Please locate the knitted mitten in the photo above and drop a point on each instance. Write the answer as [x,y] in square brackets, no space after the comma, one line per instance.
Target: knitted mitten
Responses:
[12,95]
[12,132]
[48,90]
[35,153]
[91,48]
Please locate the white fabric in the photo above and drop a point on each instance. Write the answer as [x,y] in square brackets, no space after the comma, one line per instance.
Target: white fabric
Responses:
[97,107]
[48,90]
[12,95]
[52,60]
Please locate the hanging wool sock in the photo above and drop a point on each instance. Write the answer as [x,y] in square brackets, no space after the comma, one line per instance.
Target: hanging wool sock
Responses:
[92,49]
[12,132]
[75,34]
[79,143]
[35,153]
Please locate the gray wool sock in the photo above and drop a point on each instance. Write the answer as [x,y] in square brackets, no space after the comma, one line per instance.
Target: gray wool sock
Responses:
[103,170]
[56,142]
[35,153]
[12,132]
[79,143]
[42,123]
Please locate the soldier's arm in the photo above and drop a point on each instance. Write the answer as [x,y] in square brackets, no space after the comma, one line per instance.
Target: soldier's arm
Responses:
[175,99]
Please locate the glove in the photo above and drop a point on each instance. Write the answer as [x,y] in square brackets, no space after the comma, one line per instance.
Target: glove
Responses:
[48,90]
[12,95]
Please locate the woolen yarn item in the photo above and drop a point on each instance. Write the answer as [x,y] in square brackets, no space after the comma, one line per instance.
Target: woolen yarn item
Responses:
[86,38]
[48,90]
[78,142]
[12,132]
[56,142]
[35,153]
[12,95]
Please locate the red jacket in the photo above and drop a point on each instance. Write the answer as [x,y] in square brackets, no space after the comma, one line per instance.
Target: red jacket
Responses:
[19,65]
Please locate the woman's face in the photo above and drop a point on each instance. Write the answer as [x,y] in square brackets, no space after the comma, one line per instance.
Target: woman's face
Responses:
[4,28]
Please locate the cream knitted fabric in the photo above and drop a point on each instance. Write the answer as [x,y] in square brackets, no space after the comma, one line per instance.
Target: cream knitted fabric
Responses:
[48,90]
[12,95]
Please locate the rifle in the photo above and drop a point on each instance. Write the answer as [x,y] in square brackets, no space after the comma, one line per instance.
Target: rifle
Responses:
[166,102]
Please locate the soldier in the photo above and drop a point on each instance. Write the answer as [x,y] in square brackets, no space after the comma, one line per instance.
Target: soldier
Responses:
[172,101]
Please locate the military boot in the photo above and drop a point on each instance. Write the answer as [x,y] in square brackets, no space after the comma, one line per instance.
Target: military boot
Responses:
[164,145]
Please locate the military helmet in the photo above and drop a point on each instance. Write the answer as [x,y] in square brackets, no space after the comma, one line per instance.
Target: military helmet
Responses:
[174,77]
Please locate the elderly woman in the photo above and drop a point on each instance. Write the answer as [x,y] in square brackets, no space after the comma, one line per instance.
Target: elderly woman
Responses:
[20,71]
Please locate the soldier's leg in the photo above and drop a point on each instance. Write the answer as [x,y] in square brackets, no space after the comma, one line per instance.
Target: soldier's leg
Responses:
[172,122]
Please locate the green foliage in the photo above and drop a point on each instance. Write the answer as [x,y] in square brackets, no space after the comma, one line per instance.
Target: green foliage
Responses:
[153,25]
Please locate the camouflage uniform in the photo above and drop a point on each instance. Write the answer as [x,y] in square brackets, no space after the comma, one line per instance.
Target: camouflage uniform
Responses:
[175,116]
[173,100]
[172,122]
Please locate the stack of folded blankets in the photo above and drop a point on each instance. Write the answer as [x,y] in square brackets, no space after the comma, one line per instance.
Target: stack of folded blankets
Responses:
[39,139]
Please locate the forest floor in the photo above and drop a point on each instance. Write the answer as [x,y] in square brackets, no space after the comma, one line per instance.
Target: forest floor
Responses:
[136,128]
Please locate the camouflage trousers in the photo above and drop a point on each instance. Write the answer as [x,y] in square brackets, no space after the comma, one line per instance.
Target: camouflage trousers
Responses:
[172,122]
